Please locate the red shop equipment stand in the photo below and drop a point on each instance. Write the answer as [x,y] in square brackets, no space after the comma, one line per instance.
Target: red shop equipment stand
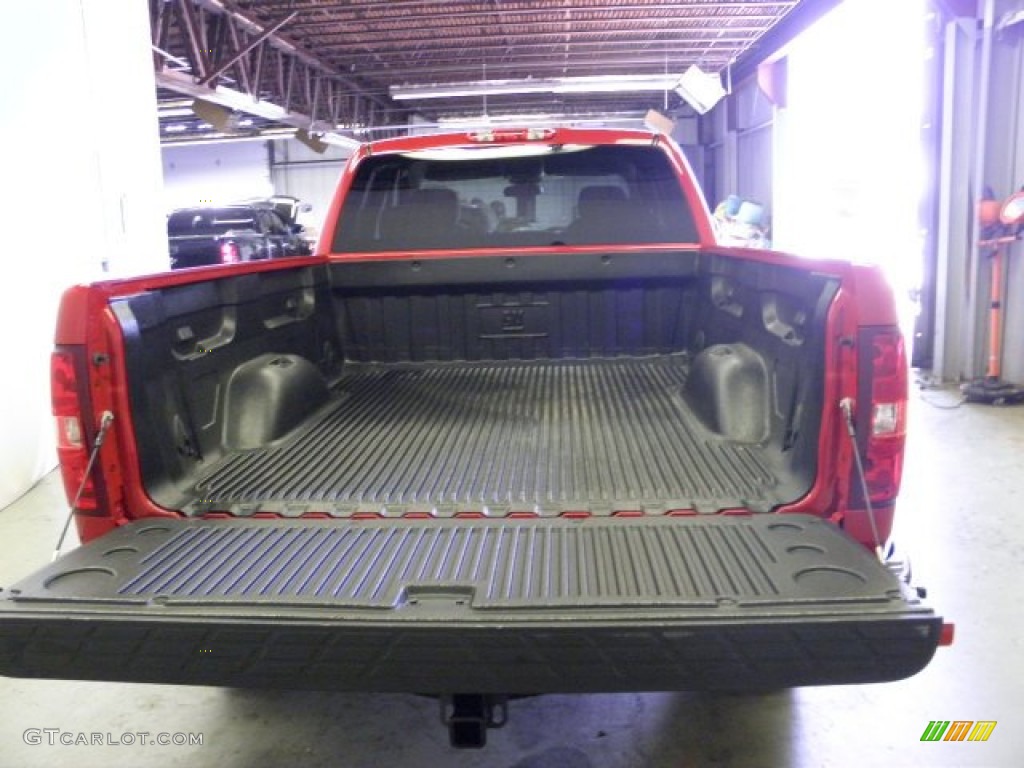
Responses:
[1001,226]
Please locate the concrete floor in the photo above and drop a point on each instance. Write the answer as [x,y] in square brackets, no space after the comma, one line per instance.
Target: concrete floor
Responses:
[962,515]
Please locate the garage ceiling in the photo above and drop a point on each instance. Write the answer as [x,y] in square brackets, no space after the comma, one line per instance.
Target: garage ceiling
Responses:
[365,68]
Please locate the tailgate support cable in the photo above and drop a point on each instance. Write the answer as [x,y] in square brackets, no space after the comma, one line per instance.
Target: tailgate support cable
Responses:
[846,406]
[105,421]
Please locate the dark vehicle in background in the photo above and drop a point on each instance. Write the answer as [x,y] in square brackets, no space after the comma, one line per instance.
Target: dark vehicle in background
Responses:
[290,209]
[225,235]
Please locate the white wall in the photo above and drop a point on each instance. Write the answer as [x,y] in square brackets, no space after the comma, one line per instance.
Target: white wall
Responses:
[755,115]
[855,168]
[311,177]
[221,173]
[742,153]
[81,188]
[215,173]
[851,173]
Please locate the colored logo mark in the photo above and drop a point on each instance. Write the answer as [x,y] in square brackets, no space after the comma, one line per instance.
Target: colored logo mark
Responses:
[958,730]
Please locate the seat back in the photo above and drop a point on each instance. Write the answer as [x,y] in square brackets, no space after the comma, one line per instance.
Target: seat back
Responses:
[599,200]
[423,218]
[599,214]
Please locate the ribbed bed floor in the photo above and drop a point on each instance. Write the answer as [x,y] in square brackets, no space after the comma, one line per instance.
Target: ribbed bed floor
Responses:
[500,437]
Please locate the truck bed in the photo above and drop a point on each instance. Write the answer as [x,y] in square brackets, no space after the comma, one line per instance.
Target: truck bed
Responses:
[397,388]
[546,437]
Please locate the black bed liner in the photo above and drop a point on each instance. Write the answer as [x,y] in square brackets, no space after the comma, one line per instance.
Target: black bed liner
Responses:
[485,606]
[547,437]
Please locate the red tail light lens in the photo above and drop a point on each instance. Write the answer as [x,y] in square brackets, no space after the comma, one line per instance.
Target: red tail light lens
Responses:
[229,253]
[72,449]
[883,384]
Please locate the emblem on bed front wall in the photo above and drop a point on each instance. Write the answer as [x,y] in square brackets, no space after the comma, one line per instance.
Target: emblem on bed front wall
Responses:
[517,321]
[513,320]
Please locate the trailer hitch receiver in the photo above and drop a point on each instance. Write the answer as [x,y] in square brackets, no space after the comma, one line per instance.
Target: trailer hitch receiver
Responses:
[469,715]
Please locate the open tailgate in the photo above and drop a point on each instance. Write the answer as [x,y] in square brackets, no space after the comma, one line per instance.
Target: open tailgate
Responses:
[470,605]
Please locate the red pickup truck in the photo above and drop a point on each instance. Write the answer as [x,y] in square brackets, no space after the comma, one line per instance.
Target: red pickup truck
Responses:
[520,426]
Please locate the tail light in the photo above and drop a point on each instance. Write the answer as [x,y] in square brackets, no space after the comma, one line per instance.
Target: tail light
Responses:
[229,253]
[882,366]
[490,135]
[72,444]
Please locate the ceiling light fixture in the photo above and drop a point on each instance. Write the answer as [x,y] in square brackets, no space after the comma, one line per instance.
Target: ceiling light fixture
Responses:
[469,122]
[225,138]
[586,84]
[175,112]
[700,89]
